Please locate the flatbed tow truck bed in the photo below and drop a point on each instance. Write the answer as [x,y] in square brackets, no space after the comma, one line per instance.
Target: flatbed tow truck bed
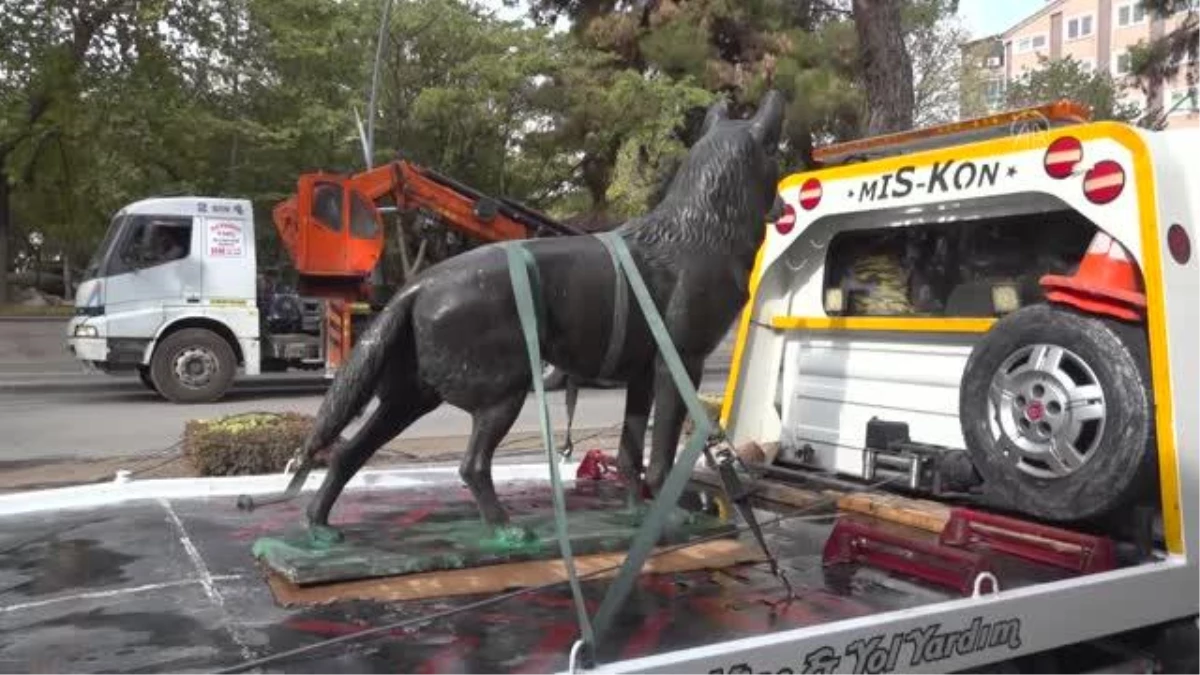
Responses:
[128,578]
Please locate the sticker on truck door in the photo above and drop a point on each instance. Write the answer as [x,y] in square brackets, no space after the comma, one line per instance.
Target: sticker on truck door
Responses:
[226,239]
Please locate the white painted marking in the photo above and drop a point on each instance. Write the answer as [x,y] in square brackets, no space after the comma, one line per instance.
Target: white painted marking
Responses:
[114,593]
[206,578]
[58,500]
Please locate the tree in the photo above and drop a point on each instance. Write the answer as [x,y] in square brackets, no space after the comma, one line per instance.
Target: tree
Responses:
[1159,60]
[934,42]
[1056,79]
[886,65]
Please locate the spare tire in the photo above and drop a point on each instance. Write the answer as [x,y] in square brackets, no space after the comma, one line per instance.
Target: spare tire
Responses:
[1057,413]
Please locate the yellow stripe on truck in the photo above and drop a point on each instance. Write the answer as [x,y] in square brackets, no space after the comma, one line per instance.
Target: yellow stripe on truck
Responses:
[883,323]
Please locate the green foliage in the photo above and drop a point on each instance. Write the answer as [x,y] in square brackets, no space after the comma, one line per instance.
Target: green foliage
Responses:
[106,102]
[1056,79]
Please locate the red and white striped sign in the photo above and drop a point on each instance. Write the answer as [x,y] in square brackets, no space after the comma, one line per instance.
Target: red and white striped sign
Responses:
[1104,182]
[1063,155]
[810,194]
[786,221]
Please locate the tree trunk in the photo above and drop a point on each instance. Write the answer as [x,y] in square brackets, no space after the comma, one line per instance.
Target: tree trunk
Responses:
[68,292]
[4,234]
[886,65]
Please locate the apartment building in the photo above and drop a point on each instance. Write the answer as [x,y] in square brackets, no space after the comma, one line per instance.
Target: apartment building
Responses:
[1098,34]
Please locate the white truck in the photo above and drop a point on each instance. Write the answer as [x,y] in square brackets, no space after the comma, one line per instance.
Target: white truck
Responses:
[173,293]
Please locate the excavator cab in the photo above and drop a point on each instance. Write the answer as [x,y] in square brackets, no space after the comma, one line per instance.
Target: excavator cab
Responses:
[333,232]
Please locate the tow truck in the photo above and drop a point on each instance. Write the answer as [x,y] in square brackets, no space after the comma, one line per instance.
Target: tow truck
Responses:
[924,517]
[174,291]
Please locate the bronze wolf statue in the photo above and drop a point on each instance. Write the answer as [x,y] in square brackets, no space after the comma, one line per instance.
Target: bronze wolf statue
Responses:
[453,335]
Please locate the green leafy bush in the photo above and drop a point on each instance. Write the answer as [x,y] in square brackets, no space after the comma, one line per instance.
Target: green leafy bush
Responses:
[246,444]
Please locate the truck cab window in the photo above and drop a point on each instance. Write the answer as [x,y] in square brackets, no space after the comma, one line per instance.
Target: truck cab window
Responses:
[149,241]
[327,205]
[362,217]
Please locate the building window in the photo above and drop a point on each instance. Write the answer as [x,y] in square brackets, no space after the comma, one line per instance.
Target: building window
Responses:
[993,92]
[1182,101]
[1031,43]
[1124,63]
[1087,65]
[1177,60]
[1131,14]
[1079,27]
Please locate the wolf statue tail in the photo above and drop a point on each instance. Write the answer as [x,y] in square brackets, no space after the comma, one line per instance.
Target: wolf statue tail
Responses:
[351,390]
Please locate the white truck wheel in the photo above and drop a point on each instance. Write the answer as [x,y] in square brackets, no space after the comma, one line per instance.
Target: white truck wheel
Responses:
[193,365]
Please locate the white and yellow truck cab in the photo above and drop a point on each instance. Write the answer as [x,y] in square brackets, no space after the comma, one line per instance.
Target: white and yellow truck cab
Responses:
[172,292]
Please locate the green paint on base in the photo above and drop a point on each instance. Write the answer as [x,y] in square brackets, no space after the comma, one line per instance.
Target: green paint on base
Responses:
[461,541]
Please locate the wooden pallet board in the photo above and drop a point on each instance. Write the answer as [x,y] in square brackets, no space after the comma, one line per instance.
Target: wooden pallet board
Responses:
[919,513]
[711,555]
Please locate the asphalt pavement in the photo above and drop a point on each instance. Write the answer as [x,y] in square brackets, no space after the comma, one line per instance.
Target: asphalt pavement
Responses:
[99,416]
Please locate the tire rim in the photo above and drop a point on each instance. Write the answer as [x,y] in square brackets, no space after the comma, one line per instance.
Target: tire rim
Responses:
[195,367]
[1048,403]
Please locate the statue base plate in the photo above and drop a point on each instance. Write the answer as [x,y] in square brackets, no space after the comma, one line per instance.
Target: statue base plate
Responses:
[460,541]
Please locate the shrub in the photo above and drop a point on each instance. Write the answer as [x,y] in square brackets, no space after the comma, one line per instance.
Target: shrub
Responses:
[247,444]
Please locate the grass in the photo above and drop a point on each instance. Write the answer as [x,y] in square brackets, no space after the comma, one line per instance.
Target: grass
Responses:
[64,311]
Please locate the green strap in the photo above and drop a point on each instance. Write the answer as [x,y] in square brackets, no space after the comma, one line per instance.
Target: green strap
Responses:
[521,267]
[651,529]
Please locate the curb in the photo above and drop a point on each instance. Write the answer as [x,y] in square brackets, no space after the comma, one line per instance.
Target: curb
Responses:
[35,319]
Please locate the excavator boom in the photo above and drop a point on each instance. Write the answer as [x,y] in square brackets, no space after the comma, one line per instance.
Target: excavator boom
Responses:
[333,230]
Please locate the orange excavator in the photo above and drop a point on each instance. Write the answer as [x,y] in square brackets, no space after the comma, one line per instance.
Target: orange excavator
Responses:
[333,229]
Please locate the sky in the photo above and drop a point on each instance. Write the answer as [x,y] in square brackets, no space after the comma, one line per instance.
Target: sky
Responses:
[987,17]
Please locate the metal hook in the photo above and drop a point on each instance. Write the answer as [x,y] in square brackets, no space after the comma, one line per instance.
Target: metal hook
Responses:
[573,660]
[977,591]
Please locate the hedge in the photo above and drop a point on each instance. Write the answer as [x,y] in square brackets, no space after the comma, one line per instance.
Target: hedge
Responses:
[245,444]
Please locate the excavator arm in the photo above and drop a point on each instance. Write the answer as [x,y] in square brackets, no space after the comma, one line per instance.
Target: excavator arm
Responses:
[333,230]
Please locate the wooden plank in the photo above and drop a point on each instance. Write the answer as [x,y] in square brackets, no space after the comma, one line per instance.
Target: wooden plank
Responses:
[918,513]
[712,555]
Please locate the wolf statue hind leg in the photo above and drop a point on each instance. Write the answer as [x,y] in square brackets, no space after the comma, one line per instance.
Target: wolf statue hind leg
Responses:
[396,411]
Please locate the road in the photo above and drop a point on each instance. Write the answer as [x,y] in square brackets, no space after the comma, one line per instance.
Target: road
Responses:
[80,418]
[51,410]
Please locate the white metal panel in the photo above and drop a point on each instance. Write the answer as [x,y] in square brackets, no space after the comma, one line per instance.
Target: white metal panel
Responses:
[926,639]
[836,383]
[1020,172]
[1177,201]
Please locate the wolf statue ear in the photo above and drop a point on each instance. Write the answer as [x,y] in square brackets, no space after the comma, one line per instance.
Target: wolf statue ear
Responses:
[767,124]
[717,111]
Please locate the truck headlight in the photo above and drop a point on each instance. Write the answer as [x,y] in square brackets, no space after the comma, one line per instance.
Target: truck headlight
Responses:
[84,330]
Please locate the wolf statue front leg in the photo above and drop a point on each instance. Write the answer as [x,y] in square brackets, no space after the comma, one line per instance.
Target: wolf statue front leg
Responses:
[669,415]
[639,396]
